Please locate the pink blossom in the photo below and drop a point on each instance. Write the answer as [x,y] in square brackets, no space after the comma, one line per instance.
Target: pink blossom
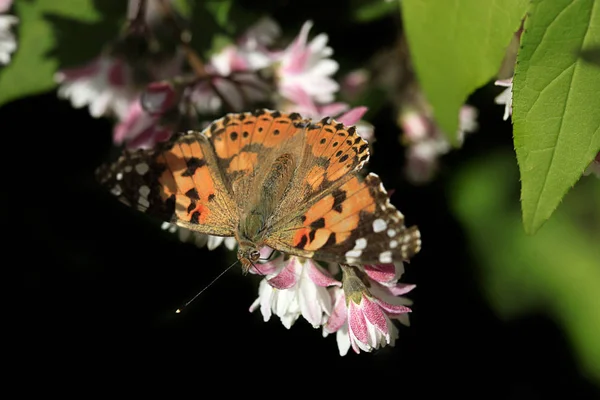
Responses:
[292,288]
[105,85]
[306,68]
[426,142]
[232,71]
[505,97]
[158,98]
[341,112]
[139,129]
[386,274]
[5,5]
[362,317]
[354,83]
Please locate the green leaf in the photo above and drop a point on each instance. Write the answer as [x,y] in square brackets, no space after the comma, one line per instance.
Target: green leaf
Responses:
[370,10]
[556,106]
[457,46]
[39,49]
[554,272]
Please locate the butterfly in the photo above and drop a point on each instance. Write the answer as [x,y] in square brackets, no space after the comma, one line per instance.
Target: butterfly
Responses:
[272,179]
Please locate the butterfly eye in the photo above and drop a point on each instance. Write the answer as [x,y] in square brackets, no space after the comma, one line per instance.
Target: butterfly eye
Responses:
[254,255]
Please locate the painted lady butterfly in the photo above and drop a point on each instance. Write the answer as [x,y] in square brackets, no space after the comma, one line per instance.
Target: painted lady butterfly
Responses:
[269,178]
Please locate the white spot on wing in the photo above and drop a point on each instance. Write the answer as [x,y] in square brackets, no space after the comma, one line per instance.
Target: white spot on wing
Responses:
[144,191]
[385,257]
[379,225]
[393,244]
[360,244]
[119,176]
[143,202]
[391,233]
[116,190]
[353,253]
[142,168]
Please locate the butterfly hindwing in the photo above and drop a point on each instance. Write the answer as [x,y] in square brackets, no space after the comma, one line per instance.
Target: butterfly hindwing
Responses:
[178,182]
[354,223]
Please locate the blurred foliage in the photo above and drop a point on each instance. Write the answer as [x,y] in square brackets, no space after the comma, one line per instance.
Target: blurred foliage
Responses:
[81,27]
[556,272]
[456,47]
[556,103]
[370,10]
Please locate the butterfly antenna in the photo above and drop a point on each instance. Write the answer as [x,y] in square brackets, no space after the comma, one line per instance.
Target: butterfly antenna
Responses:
[205,287]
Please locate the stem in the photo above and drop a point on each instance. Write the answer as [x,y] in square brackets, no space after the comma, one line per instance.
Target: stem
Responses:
[184,36]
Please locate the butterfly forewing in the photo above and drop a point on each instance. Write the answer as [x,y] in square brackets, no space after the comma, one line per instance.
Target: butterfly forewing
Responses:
[177,182]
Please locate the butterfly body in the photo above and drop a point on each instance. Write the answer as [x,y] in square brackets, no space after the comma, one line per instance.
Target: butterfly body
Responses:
[271,179]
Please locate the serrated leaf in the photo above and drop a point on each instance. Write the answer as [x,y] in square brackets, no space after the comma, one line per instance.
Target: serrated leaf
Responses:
[457,46]
[555,103]
[35,62]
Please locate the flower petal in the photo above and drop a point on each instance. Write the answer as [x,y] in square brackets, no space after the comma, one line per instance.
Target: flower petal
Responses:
[319,276]
[288,275]
[375,316]
[339,315]
[342,338]
[353,116]
[357,323]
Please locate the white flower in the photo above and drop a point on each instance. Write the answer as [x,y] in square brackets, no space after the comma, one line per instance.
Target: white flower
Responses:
[8,42]
[505,97]
[293,288]
[104,85]
[306,68]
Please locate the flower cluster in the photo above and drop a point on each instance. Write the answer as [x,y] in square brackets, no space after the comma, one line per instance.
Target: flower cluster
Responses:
[359,309]
[8,42]
[155,94]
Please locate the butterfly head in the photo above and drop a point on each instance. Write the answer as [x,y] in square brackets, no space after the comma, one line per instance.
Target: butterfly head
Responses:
[248,254]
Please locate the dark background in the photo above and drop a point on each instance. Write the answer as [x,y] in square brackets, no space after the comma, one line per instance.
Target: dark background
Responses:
[97,282]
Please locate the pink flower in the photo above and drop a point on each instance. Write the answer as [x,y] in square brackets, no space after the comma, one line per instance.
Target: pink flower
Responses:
[5,5]
[355,83]
[426,142]
[362,317]
[158,98]
[139,129]
[341,112]
[292,288]
[105,85]
[505,97]
[8,41]
[306,68]
[233,79]
[386,274]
